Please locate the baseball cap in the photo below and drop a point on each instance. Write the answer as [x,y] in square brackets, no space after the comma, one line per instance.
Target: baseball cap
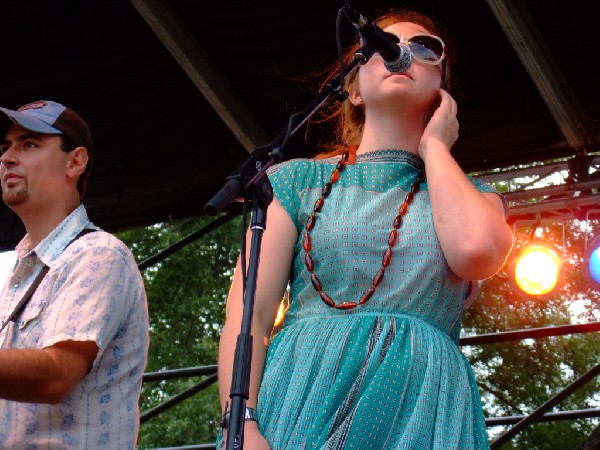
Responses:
[48,117]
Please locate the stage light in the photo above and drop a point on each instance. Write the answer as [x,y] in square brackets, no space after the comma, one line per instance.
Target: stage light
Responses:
[591,263]
[536,269]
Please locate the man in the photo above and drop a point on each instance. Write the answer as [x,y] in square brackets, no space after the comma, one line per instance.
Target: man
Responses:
[73,355]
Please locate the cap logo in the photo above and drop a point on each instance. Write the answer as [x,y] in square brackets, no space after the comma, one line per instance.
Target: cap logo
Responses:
[33,105]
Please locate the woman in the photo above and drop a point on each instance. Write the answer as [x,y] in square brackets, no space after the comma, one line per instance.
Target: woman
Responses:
[377,262]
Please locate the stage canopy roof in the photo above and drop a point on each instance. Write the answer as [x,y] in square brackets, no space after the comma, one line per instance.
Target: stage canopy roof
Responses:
[179,93]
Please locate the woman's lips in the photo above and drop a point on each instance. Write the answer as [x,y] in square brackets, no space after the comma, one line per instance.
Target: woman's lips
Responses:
[404,74]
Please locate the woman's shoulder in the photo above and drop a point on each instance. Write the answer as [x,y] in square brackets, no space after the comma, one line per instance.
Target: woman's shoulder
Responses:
[300,164]
[301,168]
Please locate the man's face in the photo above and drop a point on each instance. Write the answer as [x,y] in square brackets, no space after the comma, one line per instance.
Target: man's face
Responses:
[32,168]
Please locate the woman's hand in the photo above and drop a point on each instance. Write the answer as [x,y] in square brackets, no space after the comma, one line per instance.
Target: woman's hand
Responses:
[253,440]
[443,125]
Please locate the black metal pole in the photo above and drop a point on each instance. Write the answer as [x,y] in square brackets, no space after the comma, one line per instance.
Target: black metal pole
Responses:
[240,379]
[250,178]
[539,412]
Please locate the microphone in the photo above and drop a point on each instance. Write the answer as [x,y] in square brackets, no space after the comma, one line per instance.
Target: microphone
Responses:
[396,57]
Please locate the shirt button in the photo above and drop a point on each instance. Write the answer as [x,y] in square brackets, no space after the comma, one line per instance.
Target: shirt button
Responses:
[16,285]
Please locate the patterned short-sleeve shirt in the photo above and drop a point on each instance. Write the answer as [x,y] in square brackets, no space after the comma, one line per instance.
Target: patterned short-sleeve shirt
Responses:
[92,292]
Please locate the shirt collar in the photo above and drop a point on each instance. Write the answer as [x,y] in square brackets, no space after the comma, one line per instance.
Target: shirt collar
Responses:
[57,240]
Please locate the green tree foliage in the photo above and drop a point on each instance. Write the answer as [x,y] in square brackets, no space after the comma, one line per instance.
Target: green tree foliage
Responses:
[186,303]
[517,377]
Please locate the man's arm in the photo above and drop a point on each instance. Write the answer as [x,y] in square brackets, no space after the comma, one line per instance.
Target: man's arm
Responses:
[47,375]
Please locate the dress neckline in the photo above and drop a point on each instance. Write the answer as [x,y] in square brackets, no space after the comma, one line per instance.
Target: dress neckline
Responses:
[391,155]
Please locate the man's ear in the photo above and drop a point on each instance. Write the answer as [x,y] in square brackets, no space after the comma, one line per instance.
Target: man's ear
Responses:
[77,161]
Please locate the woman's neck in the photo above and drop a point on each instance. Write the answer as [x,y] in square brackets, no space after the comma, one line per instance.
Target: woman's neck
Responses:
[386,131]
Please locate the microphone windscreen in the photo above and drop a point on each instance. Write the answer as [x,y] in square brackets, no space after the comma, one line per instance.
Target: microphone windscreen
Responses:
[402,63]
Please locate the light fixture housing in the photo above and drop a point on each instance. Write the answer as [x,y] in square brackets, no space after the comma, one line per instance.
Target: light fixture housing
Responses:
[536,270]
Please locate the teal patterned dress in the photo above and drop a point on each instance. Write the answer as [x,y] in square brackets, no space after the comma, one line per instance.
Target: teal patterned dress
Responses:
[388,374]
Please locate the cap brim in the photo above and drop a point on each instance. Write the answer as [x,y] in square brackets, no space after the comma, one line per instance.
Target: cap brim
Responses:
[30,123]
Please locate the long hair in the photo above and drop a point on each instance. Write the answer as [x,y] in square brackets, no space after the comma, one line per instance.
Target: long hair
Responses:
[345,123]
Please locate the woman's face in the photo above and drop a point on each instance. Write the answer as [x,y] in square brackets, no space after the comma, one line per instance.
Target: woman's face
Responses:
[377,87]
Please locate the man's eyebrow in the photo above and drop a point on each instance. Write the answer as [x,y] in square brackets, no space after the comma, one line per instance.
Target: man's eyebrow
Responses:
[25,136]
[21,138]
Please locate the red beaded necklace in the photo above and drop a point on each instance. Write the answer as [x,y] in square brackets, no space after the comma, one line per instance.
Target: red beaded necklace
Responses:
[387,255]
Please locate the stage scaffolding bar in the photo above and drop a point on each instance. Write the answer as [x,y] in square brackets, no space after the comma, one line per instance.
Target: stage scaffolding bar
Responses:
[538,414]
[180,373]
[163,254]
[147,415]
[533,333]
[550,417]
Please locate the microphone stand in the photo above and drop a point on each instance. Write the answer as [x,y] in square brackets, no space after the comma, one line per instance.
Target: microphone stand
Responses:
[250,180]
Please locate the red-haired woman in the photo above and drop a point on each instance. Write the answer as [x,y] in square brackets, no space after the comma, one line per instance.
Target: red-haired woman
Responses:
[377,240]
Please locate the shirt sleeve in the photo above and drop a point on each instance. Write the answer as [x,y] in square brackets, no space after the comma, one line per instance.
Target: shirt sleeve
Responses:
[289,181]
[483,187]
[95,287]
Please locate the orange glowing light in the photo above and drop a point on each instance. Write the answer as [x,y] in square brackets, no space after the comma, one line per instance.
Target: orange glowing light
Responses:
[537,269]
